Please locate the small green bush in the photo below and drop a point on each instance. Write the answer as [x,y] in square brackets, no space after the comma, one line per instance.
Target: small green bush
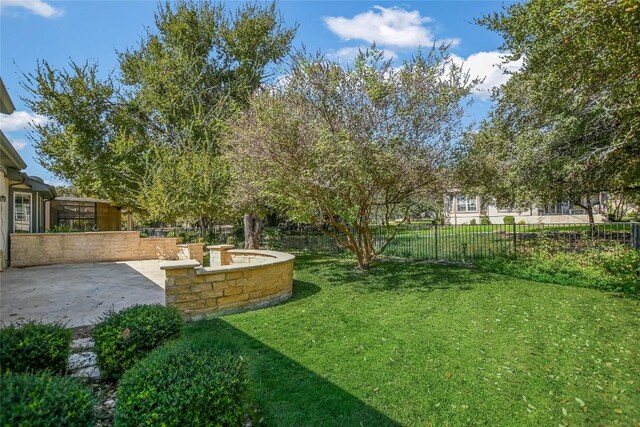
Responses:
[143,235]
[509,220]
[60,228]
[34,347]
[183,384]
[472,222]
[123,338]
[522,222]
[45,400]
[485,220]
[172,234]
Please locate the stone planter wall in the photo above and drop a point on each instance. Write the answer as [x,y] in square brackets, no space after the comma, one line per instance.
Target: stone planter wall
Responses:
[253,279]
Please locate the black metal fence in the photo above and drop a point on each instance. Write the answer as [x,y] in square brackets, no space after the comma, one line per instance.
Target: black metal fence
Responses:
[469,242]
[212,235]
[432,241]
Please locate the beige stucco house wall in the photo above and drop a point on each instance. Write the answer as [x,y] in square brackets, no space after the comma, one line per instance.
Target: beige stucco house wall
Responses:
[21,196]
[462,209]
[4,218]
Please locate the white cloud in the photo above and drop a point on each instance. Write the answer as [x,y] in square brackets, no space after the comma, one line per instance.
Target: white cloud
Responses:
[20,120]
[19,143]
[388,26]
[38,7]
[55,183]
[348,54]
[486,65]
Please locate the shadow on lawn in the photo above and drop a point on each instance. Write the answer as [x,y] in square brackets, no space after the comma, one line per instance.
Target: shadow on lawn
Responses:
[302,290]
[286,392]
[393,275]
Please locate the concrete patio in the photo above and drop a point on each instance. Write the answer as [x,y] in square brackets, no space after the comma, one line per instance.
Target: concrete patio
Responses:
[78,294]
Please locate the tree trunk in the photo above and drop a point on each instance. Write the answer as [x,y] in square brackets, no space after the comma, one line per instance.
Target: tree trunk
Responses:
[588,207]
[363,244]
[364,258]
[252,231]
[590,212]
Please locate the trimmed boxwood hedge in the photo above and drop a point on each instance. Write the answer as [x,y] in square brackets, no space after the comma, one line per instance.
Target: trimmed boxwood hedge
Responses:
[34,347]
[45,400]
[183,384]
[122,338]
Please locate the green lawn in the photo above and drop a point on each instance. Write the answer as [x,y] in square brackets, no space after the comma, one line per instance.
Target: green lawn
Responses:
[411,344]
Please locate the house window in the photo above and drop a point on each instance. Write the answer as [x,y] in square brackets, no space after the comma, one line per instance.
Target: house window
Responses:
[75,215]
[563,208]
[466,204]
[21,212]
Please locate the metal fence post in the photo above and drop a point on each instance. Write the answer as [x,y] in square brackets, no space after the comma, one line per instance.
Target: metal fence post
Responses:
[306,238]
[515,241]
[435,229]
[635,242]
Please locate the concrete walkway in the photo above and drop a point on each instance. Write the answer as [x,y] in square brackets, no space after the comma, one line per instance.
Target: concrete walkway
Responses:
[78,294]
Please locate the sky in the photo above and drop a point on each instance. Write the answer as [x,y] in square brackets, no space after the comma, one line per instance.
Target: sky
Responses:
[59,31]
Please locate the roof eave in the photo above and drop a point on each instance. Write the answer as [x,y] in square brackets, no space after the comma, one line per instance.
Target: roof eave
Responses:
[10,156]
[6,104]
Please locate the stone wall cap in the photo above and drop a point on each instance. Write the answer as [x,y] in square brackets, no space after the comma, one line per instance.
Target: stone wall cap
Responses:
[279,256]
[272,258]
[172,265]
[76,233]
[221,247]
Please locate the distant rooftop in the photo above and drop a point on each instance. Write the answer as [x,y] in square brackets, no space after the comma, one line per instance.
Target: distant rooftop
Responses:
[83,199]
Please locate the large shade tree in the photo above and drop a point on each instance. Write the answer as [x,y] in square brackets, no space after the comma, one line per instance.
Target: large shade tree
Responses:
[567,125]
[351,148]
[148,137]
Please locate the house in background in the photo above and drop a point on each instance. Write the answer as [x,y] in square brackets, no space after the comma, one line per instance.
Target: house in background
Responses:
[461,209]
[82,214]
[22,196]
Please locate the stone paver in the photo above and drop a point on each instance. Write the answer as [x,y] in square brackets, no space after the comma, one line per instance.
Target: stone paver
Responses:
[83,365]
[78,294]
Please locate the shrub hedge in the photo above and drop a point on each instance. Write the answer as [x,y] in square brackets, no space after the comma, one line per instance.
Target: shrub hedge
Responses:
[45,400]
[123,338]
[609,267]
[34,347]
[509,220]
[183,384]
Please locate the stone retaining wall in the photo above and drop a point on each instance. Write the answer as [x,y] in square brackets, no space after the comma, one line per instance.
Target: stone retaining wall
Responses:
[254,279]
[67,248]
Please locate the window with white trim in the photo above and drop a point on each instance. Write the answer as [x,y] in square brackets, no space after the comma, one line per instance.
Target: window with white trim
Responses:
[21,212]
[466,204]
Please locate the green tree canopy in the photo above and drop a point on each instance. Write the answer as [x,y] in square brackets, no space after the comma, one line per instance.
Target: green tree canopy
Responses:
[349,148]
[148,137]
[567,124]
